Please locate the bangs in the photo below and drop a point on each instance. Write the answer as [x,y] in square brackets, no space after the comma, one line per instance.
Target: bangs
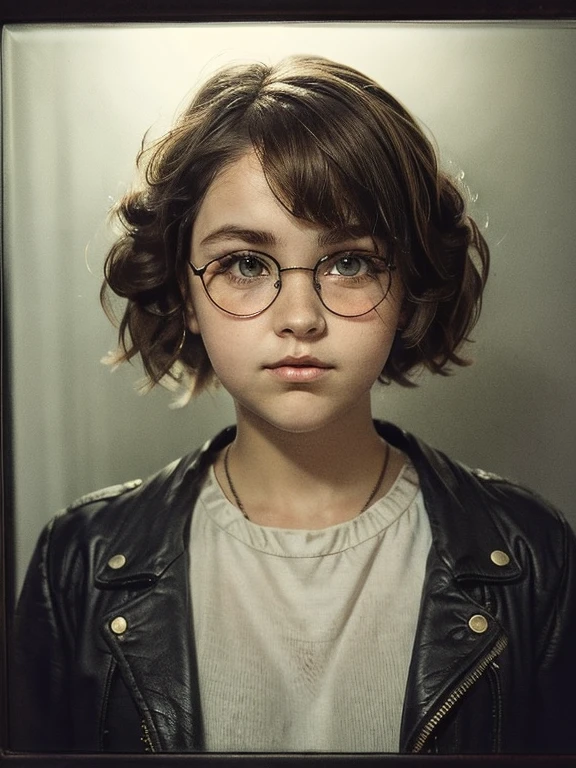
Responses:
[315,170]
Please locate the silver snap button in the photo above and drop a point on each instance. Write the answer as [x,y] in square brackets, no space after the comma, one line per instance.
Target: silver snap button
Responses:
[478,624]
[499,558]
[118,561]
[119,625]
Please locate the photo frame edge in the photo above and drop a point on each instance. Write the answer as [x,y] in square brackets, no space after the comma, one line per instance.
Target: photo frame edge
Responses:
[131,11]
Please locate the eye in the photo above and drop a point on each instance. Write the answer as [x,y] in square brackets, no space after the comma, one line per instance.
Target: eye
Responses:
[349,265]
[250,266]
[244,265]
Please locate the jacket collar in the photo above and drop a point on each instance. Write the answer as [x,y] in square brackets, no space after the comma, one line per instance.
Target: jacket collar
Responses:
[155,519]
[460,504]
[156,515]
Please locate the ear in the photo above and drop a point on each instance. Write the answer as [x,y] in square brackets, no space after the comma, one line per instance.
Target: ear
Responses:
[188,310]
[403,317]
[191,319]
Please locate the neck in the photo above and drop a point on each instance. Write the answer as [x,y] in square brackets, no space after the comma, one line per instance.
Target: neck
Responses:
[308,479]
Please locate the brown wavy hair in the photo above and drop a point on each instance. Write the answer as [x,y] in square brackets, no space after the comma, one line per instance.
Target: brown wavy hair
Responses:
[335,148]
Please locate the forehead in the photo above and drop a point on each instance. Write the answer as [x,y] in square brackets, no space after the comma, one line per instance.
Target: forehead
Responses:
[240,189]
[240,205]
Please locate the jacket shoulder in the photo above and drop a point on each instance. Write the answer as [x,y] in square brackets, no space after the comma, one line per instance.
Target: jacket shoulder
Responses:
[481,492]
[105,512]
[475,511]
[160,505]
[518,500]
[520,514]
[103,494]
[78,541]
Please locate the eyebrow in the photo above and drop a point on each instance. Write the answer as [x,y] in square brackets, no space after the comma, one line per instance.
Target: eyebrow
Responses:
[232,232]
[266,239]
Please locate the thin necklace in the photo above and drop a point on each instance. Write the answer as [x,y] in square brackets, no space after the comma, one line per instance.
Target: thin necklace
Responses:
[364,508]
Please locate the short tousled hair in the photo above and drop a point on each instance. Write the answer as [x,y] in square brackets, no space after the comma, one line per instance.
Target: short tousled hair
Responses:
[335,148]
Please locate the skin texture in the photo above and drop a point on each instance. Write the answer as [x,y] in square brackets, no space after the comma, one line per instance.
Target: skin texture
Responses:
[314,436]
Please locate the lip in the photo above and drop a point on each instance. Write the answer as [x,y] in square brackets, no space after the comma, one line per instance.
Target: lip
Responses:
[299,362]
[299,369]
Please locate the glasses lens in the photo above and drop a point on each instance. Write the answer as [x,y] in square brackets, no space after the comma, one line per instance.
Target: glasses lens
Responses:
[242,284]
[352,284]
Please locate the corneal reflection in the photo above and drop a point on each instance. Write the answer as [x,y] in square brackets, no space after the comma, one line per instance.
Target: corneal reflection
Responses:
[246,283]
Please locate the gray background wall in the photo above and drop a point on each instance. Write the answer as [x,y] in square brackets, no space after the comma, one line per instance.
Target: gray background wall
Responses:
[500,102]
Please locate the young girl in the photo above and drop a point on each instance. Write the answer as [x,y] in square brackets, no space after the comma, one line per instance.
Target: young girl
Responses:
[311,580]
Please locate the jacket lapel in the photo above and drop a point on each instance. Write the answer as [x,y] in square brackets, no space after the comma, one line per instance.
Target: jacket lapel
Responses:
[150,636]
[447,653]
[456,634]
[146,618]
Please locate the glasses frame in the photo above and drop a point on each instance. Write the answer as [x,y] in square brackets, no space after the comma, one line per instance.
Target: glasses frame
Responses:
[201,271]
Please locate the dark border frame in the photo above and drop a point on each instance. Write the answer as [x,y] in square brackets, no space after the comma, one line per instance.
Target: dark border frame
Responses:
[47,11]
[190,11]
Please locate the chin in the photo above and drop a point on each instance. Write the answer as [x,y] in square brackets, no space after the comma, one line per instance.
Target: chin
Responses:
[294,419]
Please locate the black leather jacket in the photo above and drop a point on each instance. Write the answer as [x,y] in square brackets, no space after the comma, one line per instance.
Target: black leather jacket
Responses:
[104,647]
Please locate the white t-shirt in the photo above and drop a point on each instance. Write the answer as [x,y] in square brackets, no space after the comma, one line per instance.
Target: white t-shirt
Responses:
[304,638]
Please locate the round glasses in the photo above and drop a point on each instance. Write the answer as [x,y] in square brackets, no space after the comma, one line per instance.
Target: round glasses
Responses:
[245,284]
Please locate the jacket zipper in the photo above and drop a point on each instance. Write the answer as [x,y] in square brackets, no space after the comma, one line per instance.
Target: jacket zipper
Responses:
[146,739]
[497,710]
[457,694]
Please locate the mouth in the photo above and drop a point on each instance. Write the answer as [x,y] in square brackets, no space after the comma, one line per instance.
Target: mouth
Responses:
[299,362]
[299,369]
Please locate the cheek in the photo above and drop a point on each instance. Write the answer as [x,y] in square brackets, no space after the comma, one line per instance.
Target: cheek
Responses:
[381,355]
[374,343]
[378,351]
[227,341]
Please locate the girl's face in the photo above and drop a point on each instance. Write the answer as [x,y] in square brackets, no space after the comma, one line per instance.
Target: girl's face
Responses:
[297,366]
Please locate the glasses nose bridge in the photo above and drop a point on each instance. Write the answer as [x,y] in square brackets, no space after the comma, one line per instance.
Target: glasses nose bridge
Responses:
[295,269]
[291,269]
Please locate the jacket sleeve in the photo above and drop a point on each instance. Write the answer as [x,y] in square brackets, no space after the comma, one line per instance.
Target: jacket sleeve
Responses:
[555,716]
[39,701]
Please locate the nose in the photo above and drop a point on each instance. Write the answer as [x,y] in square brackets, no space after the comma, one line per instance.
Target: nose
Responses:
[298,309]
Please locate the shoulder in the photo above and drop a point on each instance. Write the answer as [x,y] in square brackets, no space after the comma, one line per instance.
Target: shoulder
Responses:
[514,508]
[473,506]
[103,494]
[154,506]
[112,500]
[518,509]
[510,494]
[110,512]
